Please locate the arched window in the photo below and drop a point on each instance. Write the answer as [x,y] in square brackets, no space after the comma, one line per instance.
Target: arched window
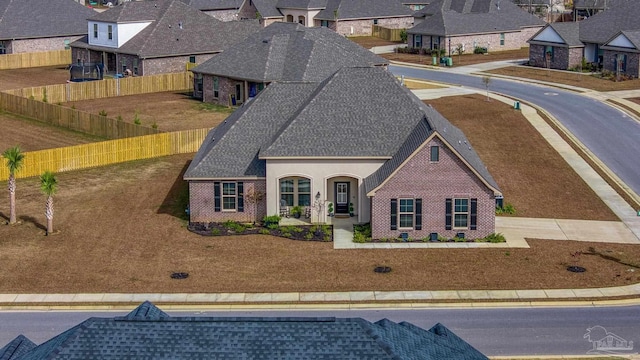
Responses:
[301,20]
[295,191]
[289,18]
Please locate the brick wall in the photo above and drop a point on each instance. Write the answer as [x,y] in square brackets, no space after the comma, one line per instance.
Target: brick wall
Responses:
[433,183]
[633,62]
[169,64]
[563,58]
[226,87]
[201,203]
[363,27]
[36,45]
[512,41]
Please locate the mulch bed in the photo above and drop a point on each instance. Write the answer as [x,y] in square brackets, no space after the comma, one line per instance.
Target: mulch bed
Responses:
[298,232]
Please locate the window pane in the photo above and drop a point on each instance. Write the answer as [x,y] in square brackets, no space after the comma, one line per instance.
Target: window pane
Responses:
[304,185]
[461,205]
[288,198]
[286,186]
[228,189]
[406,220]
[406,205]
[460,221]
[229,203]
[304,199]
[435,153]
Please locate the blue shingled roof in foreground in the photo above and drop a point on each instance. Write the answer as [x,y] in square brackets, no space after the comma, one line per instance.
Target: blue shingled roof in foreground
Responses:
[149,333]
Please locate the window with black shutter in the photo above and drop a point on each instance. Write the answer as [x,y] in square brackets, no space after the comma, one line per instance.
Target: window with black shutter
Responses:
[394,214]
[473,219]
[216,196]
[418,225]
[447,214]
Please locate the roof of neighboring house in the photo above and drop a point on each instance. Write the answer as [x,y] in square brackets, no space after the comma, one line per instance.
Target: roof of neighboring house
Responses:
[204,5]
[16,348]
[456,17]
[632,36]
[363,9]
[176,29]
[154,336]
[355,113]
[20,19]
[569,33]
[301,4]
[289,52]
[602,26]
[267,8]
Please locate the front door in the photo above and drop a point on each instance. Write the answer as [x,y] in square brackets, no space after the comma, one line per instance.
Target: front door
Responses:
[239,93]
[342,197]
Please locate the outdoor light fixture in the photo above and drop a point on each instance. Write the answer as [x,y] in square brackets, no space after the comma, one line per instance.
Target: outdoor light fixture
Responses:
[318,196]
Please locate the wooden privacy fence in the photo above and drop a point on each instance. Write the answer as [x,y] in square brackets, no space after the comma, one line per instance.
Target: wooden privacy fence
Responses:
[107,152]
[72,119]
[89,90]
[386,33]
[37,59]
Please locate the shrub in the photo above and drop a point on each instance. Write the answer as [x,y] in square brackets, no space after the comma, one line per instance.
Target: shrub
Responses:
[442,238]
[44,95]
[119,117]
[136,119]
[479,50]
[215,231]
[506,209]
[458,239]
[403,35]
[309,236]
[327,238]
[359,237]
[362,233]
[285,234]
[154,125]
[264,232]
[102,113]
[273,226]
[234,226]
[271,219]
[495,238]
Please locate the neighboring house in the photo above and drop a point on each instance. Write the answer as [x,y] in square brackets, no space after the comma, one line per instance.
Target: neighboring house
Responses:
[346,17]
[608,39]
[584,9]
[415,5]
[149,333]
[557,46]
[279,52]
[358,137]
[493,24]
[43,26]
[159,36]
[224,10]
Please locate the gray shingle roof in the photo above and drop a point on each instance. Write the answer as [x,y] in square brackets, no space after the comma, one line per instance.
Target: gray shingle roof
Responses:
[253,338]
[267,8]
[357,112]
[289,52]
[20,19]
[204,5]
[16,348]
[457,17]
[602,26]
[200,33]
[569,32]
[230,150]
[302,4]
[363,9]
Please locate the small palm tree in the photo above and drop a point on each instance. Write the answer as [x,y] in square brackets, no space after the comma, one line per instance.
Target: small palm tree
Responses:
[15,159]
[48,185]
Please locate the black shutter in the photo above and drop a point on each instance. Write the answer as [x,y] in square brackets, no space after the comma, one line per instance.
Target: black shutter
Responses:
[240,188]
[394,214]
[418,214]
[447,214]
[473,221]
[216,196]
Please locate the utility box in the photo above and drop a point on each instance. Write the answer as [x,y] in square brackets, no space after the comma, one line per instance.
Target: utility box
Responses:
[516,105]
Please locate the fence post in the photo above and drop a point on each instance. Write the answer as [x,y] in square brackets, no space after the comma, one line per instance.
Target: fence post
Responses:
[117,86]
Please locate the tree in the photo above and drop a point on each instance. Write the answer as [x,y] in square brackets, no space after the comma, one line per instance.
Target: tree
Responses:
[15,159]
[403,35]
[253,197]
[486,80]
[49,185]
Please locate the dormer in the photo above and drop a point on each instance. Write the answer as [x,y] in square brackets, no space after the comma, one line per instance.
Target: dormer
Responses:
[113,35]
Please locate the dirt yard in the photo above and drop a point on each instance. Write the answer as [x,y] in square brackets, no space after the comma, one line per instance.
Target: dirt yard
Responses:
[120,230]
[464,59]
[568,78]
[171,111]
[371,41]
[33,135]
[22,78]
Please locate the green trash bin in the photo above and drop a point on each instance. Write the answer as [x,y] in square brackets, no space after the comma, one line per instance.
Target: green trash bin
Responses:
[449,61]
[434,61]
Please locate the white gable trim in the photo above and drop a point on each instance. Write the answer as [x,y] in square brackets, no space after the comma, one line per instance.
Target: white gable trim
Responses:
[621,41]
[422,146]
[548,34]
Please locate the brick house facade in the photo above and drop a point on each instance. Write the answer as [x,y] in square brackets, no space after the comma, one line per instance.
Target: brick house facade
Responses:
[38,45]
[432,183]
[562,57]
[630,62]
[512,40]
[363,27]
[205,202]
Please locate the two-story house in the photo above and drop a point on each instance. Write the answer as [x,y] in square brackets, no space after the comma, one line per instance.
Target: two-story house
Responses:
[158,36]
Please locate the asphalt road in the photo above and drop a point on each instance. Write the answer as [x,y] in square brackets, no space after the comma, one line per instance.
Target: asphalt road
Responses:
[607,132]
[493,331]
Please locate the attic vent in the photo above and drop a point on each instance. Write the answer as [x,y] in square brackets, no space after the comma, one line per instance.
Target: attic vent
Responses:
[266,41]
[180,24]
